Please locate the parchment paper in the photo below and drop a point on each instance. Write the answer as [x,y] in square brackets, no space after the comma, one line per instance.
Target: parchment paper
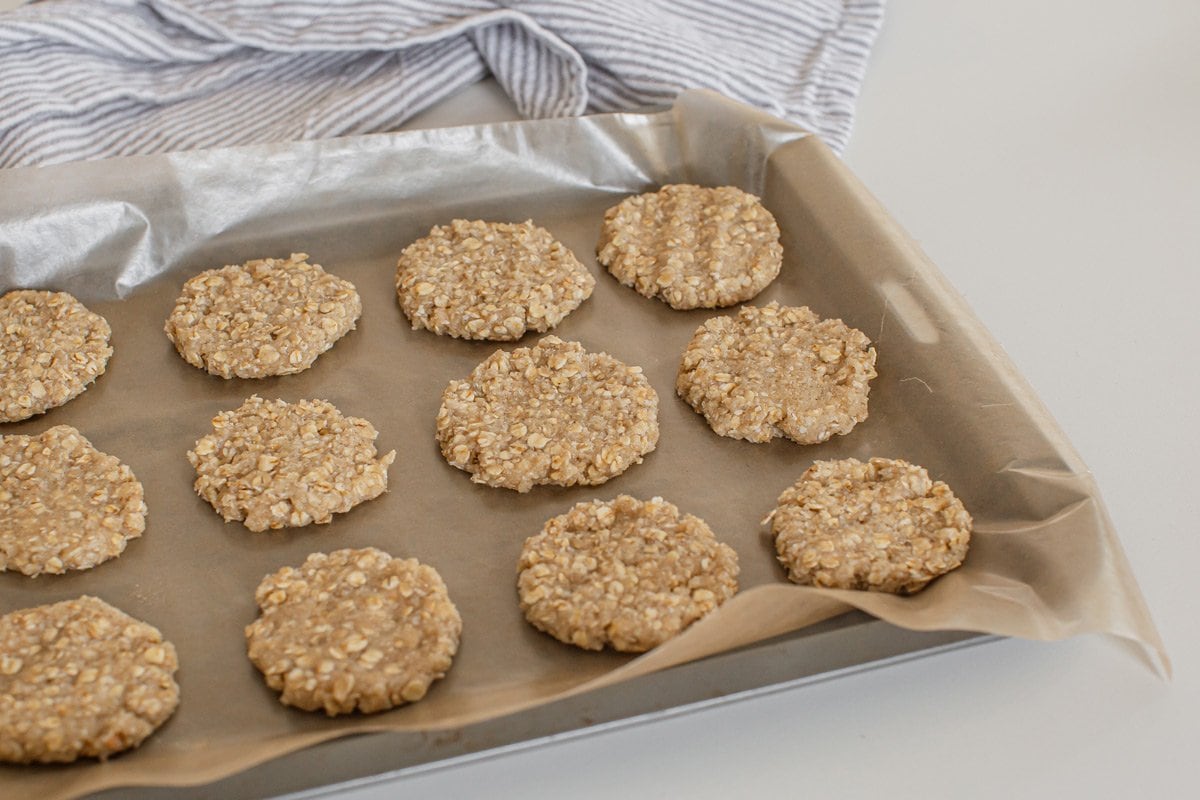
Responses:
[1044,561]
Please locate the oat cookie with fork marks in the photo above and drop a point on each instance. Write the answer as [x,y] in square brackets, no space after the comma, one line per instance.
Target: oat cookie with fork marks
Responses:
[353,630]
[65,504]
[625,573]
[272,316]
[489,280]
[692,246]
[883,525]
[274,464]
[51,348]
[548,414]
[81,678]
[778,371]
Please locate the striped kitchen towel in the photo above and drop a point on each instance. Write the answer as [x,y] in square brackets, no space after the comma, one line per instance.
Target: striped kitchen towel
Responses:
[84,79]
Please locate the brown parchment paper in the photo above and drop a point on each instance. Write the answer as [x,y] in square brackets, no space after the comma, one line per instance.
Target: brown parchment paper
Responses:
[124,234]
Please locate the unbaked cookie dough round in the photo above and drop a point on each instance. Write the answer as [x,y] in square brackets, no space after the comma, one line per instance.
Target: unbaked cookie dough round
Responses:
[274,464]
[692,246]
[626,573]
[489,280]
[883,525]
[548,414]
[353,630]
[65,504]
[272,316]
[51,348]
[81,678]
[777,371]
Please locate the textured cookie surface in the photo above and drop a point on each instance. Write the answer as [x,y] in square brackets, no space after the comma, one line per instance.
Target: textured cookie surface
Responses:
[51,348]
[883,525]
[65,505]
[353,630]
[692,246]
[81,678]
[626,573]
[549,414]
[489,280]
[272,316]
[273,464]
[777,371]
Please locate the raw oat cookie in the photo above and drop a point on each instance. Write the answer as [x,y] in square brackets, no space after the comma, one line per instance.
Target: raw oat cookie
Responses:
[624,573]
[81,678]
[353,630]
[273,464]
[489,280]
[548,414]
[51,348]
[778,371]
[883,525]
[65,505]
[692,246]
[272,316]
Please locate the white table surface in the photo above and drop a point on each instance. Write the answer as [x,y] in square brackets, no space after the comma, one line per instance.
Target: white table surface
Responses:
[1045,156]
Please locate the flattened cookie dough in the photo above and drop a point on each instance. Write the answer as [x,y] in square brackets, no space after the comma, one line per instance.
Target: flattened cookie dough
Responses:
[692,246]
[272,316]
[81,678]
[353,630]
[626,573]
[51,348]
[489,280]
[778,371]
[65,505]
[273,464]
[885,526]
[548,414]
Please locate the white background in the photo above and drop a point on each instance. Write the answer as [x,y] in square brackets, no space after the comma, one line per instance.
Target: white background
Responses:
[1045,155]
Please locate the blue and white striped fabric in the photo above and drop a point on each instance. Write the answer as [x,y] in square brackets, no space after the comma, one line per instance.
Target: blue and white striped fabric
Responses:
[84,79]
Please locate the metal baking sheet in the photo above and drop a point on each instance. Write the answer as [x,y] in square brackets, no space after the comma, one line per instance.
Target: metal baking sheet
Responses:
[123,235]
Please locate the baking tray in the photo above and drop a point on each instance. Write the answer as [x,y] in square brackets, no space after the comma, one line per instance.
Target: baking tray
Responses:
[848,644]
[124,234]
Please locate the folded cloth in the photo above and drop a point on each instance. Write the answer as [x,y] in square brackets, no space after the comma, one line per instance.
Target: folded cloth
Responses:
[96,78]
